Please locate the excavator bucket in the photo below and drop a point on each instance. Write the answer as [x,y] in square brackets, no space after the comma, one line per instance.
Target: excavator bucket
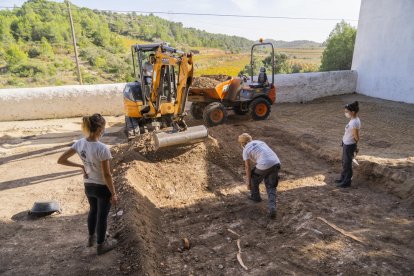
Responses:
[190,136]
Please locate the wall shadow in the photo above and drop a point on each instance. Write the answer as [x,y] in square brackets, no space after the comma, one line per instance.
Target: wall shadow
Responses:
[33,154]
[21,182]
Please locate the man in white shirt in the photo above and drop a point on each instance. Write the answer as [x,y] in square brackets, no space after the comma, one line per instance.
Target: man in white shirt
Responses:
[267,169]
[148,69]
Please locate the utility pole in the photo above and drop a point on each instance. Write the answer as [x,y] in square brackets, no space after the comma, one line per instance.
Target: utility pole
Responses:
[74,42]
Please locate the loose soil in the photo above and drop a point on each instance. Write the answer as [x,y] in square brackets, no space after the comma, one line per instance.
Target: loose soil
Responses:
[197,192]
[209,81]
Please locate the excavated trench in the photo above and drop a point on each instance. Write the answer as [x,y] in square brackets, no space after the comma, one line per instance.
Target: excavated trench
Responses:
[197,193]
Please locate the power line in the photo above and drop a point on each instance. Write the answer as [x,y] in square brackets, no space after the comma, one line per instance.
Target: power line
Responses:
[232,15]
[218,15]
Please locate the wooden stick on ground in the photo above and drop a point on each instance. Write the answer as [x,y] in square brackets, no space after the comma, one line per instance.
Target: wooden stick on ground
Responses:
[239,258]
[233,232]
[342,231]
[241,261]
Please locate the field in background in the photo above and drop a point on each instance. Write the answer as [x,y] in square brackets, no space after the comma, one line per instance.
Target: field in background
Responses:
[214,61]
[303,55]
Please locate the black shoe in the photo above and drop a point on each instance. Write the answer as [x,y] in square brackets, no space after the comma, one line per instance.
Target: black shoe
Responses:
[254,199]
[272,214]
[91,240]
[337,181]
[106,246]
[344,185]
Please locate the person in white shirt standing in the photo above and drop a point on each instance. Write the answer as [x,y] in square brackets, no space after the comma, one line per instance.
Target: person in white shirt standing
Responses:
[267,169]
[148,69]
[349,144]
[99,187]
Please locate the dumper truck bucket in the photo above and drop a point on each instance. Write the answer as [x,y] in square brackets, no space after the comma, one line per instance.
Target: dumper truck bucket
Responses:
[190,136]
[199,94]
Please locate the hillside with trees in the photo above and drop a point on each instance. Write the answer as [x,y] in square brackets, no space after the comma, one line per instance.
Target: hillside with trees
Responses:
[37,47]
[294,43]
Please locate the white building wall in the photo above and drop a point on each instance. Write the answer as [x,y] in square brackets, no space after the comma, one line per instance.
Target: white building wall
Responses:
[107,99]
[60,101]
[305,87]
[384,50]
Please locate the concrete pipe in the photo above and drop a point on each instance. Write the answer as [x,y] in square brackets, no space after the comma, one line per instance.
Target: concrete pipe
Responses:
[190,136]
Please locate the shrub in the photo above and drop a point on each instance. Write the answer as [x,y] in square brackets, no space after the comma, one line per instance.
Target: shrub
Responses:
[339,48]
[296,68]
[90,54]
[28,70]
[46,49]
[33,52]
[14,55]
[88,78]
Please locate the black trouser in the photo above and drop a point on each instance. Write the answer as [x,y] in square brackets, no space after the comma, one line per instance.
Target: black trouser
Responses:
[347,156]
[99,201]
[271,180]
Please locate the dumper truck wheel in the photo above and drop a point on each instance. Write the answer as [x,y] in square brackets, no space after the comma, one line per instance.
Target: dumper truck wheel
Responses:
[259,109]
[196,110]
[239,111]
[214,114]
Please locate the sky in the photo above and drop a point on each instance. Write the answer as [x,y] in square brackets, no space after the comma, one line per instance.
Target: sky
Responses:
[252,28]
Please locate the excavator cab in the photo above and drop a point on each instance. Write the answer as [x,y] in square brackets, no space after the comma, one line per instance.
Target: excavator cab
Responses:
[155,102]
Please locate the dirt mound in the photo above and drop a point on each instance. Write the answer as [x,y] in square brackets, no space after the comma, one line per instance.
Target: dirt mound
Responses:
[219,77]
[209,81]
[197,192]
[147,182]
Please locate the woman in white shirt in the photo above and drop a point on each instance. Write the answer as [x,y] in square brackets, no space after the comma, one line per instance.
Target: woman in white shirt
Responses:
[99,187]
[349,144]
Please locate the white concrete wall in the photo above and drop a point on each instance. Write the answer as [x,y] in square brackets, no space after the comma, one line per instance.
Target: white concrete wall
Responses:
[304,87]
[60,101]
[384,50]
[79,100]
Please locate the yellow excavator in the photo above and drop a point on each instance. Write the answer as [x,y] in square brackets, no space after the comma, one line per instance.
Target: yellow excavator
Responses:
[156,101]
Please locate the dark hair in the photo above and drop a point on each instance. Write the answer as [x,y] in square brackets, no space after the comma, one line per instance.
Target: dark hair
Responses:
[353,107]
[90,124]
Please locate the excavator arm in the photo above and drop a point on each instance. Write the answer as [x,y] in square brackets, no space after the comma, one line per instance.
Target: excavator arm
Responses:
[167,98]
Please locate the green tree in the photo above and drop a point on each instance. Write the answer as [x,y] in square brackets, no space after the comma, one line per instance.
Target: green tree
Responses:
[46,49]
[15,56]
[101,35]
[5,33]
[339,48]
[281,65]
